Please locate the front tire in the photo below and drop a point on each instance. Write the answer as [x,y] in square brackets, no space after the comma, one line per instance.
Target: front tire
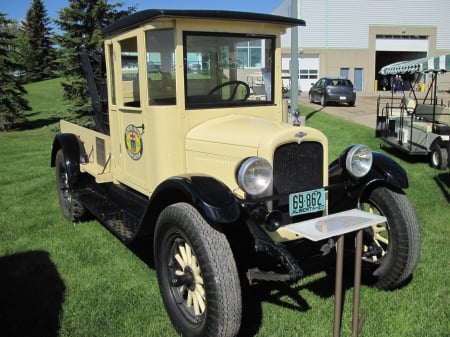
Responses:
[391,249]
[197,274]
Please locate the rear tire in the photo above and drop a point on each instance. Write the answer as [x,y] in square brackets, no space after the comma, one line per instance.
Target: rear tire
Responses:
[391,249]
[71,207]
[323,100]
[197,274]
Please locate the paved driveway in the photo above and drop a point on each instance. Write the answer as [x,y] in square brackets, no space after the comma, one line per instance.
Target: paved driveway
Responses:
[364,112]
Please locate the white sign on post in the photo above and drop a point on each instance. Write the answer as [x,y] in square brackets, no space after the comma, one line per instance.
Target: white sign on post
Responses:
[335,224]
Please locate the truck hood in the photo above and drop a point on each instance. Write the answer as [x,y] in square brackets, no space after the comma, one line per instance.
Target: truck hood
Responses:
[217,147]
[226,135]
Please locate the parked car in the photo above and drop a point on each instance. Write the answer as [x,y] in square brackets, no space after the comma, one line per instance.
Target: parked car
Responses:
[337,90]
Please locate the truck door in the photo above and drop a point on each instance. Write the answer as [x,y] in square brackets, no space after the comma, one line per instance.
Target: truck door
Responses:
[130,132]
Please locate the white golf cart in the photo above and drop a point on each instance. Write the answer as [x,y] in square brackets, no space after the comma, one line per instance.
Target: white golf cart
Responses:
[418,126]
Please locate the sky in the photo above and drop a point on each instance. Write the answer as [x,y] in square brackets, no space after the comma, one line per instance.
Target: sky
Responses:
[17,9]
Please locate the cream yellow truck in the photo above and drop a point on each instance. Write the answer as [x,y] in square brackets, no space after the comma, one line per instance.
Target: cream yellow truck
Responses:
[193,152]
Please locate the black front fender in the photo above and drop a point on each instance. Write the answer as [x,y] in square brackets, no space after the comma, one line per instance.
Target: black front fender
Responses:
[70,146]
[345,192]
[388,169]
[210,197]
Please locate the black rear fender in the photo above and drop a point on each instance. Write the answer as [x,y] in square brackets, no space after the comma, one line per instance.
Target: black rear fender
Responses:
[346,192]
[69,144]
[210,197]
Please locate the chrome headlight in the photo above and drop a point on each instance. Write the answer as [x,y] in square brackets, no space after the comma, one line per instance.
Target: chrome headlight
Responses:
[254,175]
[358,161]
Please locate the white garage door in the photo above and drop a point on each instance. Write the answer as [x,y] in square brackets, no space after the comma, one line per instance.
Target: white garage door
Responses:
[308,66]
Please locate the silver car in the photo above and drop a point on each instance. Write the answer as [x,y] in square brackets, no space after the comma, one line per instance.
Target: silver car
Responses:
[337,90]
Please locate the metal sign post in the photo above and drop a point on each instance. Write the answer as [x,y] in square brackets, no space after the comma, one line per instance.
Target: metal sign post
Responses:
[294,66]
[337,225]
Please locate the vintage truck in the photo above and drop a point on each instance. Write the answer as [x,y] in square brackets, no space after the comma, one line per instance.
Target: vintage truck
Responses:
[194,153]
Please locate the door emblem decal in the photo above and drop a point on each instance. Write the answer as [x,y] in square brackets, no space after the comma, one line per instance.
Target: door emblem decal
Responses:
[133,142]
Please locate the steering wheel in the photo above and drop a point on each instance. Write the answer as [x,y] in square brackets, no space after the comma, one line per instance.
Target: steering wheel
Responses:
[234,85]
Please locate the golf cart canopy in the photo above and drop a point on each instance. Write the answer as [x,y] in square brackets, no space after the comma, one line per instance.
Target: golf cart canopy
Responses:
[422,65]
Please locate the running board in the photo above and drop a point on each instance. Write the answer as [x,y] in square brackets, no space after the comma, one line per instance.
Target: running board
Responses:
[121,222]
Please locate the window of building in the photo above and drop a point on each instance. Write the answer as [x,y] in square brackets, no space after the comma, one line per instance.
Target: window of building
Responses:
[344,72]
[402,37]
[308,74]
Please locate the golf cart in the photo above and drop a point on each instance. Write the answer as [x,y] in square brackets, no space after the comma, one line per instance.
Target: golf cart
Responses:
[418,127]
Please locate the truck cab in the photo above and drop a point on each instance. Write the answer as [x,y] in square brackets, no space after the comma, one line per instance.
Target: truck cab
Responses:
[169,75]
[196,153]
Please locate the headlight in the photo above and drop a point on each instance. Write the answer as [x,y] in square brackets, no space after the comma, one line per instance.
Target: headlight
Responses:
[254,175]
[359,161]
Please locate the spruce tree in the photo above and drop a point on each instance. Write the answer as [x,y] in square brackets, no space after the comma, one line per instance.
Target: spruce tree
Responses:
[38,53]
[81,23]
[13,104]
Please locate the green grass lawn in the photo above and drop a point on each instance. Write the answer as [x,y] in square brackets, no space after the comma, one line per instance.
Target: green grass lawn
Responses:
[61,279]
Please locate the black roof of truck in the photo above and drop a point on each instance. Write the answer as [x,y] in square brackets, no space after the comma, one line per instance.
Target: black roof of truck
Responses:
[146,16]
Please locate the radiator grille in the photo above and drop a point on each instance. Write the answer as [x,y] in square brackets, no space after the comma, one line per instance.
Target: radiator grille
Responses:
[298,167]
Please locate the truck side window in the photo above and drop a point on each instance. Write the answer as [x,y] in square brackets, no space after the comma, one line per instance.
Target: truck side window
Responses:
[111,77]
[161,67]
[130,73]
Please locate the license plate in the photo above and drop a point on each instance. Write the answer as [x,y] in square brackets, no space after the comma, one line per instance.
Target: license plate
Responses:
[343,98]
[306,202]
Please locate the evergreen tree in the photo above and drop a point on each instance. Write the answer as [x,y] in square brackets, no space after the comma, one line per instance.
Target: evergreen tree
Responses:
[15,29]
[38,53]
[12,101]
[82,23]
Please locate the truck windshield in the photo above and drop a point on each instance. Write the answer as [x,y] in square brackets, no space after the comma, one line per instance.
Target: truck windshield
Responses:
[223,70]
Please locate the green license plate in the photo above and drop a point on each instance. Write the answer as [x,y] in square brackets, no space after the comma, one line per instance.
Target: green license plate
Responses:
[306,202]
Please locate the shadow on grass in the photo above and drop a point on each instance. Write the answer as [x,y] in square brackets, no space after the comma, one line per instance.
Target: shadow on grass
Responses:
[31,295]
[289,296]
[34,124]
[412,159]
[443,182]
[282,294]
[312,113]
